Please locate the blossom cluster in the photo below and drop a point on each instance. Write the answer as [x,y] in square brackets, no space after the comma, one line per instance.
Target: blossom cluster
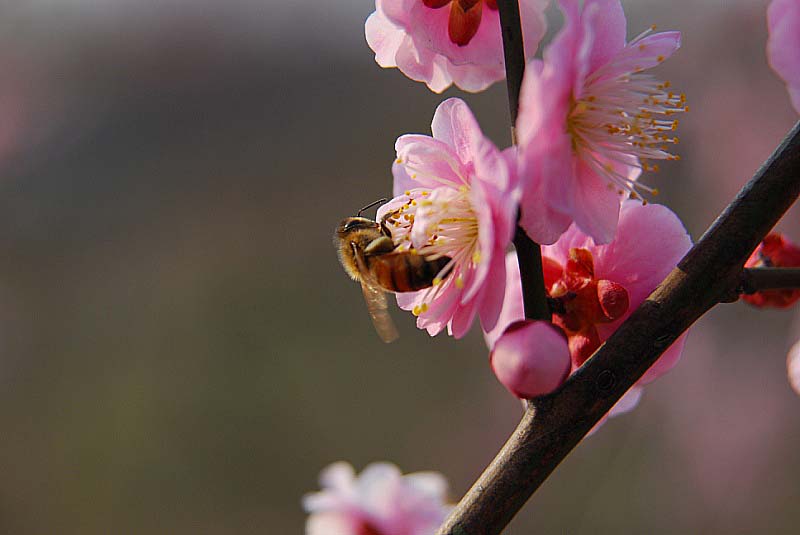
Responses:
[593,120]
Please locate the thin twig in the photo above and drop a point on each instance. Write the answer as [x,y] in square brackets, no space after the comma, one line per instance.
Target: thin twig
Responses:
[529,254]
[760,279]
[514,52]
[554,424]
[529,258]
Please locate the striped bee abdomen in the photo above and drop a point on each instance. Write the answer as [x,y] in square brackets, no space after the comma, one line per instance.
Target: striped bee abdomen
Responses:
[405,271]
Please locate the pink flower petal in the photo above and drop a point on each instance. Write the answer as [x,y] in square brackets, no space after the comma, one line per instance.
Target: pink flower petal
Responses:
[492,300]
[337,476]
[627,402]
[595,205]
[332,524]
[384,38]
[604,31]
[783,46]
[650,241]
[512,306]
[429,161]
[402,182]
[462,320]
[454,124]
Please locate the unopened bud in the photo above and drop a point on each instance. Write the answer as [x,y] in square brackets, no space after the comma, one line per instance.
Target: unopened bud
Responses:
[613,299]
[531,358]
[582,344]
[775,251]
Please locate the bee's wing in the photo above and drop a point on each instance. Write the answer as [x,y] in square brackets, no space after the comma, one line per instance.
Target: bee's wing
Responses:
[379,312]
[376,301]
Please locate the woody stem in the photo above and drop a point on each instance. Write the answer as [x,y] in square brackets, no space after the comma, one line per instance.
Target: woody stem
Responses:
[773,278]
[529,254]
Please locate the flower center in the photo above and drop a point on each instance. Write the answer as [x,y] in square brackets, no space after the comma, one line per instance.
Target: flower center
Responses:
[365,528]
[580,301]
[623,117]
[465,17]
[439,223]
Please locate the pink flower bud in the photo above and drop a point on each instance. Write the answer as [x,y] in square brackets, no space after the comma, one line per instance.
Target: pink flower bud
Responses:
[531,358]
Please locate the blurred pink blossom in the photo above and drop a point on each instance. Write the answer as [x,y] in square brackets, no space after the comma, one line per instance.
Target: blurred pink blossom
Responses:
[379,501]
[531,358]
[783,46]
[591,120]
[441,42]
[774,251]
[456,197]
[650,241]
[793,366]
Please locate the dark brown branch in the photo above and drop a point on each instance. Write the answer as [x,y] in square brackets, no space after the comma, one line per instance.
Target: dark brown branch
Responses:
[514,52]
[529,257]
[529,254]
[759,279]
[554,424]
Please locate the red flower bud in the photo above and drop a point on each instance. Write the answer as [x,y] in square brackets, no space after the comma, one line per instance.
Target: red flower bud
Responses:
[613,299]
[774,251]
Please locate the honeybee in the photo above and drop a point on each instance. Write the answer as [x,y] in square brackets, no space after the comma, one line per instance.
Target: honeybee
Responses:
[368,255]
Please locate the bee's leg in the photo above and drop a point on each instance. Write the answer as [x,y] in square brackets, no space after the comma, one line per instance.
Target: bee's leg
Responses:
[386,217]
[384,244]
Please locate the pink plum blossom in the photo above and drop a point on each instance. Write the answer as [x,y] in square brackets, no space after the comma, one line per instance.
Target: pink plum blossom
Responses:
[774,251]
[531,358]
[591,120]
[441,42]
[455,196]
[379,501]
[594,288]
[783,46]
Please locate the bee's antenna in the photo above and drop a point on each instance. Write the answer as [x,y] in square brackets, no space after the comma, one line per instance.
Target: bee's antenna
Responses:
[370,205]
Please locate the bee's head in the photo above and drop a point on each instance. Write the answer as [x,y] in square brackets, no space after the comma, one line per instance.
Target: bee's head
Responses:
[353,224]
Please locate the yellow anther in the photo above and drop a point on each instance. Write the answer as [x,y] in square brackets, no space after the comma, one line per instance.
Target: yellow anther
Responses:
[652,27]
[476,257]
[406,192]
[459,282]
[437,281]
[655,192]
[399,160]
[660,58]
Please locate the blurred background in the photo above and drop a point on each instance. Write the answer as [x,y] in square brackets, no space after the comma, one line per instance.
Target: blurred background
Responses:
[180,351]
